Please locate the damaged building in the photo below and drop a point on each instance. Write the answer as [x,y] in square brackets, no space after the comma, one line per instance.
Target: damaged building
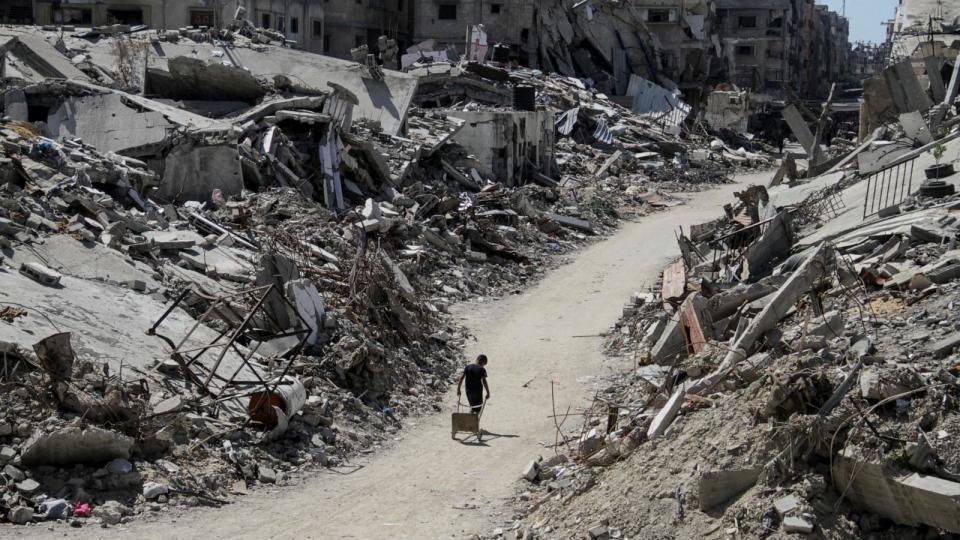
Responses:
[227,261]
[217,244]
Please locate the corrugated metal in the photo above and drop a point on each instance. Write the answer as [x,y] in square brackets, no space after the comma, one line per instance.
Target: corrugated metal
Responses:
[603,133]
[567,120]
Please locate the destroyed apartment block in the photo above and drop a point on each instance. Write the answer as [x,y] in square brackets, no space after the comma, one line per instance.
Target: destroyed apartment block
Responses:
[224,247]
[234,260]
[793,370]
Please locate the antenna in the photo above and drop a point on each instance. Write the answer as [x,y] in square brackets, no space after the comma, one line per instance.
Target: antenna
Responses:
[843,10]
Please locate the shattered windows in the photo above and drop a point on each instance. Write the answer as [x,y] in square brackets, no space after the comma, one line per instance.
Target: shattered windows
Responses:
[747,21]
[131,16]
[201,17]
[73,16]
[447,12]
[658,15]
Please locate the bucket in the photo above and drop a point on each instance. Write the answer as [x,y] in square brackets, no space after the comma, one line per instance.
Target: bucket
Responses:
[276,408]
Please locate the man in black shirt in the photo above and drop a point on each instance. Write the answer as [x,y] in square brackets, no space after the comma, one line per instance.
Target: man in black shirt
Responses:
[476,377]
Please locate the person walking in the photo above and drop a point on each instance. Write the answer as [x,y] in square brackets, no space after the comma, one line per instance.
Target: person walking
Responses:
[475,376]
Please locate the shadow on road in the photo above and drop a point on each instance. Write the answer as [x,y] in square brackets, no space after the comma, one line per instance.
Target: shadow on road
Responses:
[471,440]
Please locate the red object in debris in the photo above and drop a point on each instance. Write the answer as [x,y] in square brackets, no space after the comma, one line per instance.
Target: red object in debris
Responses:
[81,510]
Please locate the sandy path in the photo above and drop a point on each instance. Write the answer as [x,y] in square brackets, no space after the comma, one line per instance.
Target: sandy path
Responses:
[412,489]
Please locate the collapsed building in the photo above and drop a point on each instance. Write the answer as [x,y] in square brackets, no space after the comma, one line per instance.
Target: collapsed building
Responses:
[794,372]
[227,261]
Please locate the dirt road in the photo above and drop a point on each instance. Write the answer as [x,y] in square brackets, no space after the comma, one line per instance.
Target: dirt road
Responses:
[429,486]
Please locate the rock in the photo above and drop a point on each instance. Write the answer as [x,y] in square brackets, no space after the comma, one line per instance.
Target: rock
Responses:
[107,515]
[28,487]
[7,454]
[829,325]
[73,445]
[604,458]
[14,473]
[267,475]
[785,505]
[110,512]
[119,466]
[531,471]
[599,532]
[6,430]
[554,460]
[878,384]
[797,524]
[20,515]
[718,487]
[166,466]
[168,405]
[590,443]
[371,210]
[152,490]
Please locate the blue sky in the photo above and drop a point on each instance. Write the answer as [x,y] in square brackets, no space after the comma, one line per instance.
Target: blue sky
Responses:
[866,17]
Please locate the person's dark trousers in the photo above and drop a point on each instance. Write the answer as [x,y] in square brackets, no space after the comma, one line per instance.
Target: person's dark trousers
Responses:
[476,402]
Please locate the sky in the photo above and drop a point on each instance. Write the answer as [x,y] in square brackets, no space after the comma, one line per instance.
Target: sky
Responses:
[866,17]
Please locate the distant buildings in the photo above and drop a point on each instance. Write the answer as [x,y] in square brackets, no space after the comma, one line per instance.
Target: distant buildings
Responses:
[868,59]
[761,45]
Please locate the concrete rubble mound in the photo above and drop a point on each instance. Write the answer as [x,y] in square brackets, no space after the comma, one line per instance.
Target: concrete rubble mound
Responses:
[225,262]
[795,370]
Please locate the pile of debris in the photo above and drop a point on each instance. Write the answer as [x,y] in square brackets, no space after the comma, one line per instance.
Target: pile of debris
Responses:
[217,276]
[795,371]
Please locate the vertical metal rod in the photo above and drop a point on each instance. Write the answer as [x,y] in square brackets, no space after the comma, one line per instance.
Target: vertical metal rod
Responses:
[236,333]
[912,163]
[903,186]
[881,182]
[892,186]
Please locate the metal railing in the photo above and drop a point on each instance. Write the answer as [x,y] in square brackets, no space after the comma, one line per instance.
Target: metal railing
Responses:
[888,187]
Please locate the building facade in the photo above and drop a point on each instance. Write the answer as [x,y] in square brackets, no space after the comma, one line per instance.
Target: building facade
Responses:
[510,22]
[760,45]
[330,27]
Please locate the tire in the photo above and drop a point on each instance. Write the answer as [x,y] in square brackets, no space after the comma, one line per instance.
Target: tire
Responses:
[941,170]
[936,189]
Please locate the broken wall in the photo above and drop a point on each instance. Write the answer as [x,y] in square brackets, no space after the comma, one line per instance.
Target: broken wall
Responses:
[728,110]
[503,141]
[191,171]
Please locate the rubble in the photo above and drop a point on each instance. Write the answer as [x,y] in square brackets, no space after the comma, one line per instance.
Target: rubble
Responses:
[234,259]
[794,371]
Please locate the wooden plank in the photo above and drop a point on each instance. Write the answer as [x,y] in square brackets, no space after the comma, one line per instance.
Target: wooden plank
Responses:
[692,324]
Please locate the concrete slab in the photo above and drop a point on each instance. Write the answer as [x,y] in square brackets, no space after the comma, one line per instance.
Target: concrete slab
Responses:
[910,499]
[104,122]
[383,101]
[45,59]
[85,261]
[799,127]
[719,487]
[916,127]
[108,322]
